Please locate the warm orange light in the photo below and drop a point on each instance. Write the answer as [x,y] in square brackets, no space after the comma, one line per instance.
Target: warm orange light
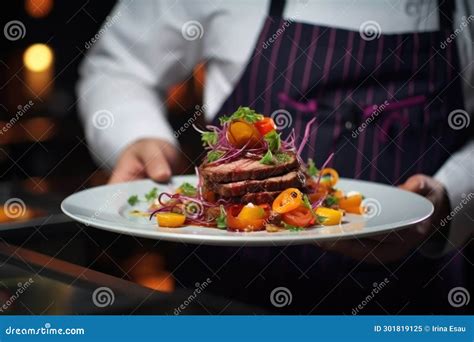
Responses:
[38,8]
[38,57]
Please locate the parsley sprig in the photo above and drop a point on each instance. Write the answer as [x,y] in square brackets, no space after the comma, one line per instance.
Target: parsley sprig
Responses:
[242,113]
[148,197]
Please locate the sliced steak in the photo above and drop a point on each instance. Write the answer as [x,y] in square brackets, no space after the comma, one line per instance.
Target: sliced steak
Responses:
[258,197]
[246,169]
[293,179]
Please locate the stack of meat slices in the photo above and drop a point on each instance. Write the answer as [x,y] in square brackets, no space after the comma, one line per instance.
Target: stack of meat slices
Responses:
[246,180]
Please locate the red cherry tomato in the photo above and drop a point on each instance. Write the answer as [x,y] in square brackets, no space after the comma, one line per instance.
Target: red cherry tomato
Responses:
[265,125]
[299,217]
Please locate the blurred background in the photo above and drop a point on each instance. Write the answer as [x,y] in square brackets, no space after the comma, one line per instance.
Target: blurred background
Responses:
[43,150]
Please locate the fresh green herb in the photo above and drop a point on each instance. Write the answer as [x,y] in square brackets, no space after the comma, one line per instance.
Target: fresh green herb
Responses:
[212,156]
[187,189]
[242,113]
[273,140]
[151,195]
[132,200]
[331,200]
[282,157]
[312,169]
[321,219]
[267,159]
[308,205]
[291,227]
[209,138]
[221,220]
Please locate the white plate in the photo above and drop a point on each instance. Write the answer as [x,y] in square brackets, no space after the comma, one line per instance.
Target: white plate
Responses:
[106,207]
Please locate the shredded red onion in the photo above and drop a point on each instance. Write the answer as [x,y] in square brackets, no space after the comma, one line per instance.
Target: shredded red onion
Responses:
[306,136]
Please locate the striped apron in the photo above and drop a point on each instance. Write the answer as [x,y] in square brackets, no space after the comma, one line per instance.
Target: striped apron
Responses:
[381,103]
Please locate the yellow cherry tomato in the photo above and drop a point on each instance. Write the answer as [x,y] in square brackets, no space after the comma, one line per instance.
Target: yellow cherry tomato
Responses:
[171,220]
[329,217]
[351,203]
[251,212]
[288,200]
[241,133]
[331,180]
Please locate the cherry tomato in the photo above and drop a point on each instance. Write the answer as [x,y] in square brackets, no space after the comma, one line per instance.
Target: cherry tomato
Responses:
[299,217]
[251,212]
[244,224]
[331,180]
[351,204]
[265,125]
[171,220]
[241,133]
[288,200]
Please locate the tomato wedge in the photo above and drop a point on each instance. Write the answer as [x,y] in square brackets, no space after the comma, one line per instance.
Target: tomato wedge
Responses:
[265,125]
[330,217]
[287,200]
[349,203]
[299,217]
[171,220]
[245,223]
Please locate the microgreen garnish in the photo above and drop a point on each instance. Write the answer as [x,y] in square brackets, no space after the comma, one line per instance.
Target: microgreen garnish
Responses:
[273,140]
[308,205]
[221,220]
[148,197]
[187,189]
[331,200]
[282,157]
[132,200]
[267,159]
[291,227]
[152,194]
[213,156]
[242,113]
[312,169]
[209,138]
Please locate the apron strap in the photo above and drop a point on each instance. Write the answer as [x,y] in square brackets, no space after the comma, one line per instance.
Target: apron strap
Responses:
[446,14]
[276,8]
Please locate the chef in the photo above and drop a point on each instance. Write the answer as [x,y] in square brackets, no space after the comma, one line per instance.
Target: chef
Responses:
[391,85]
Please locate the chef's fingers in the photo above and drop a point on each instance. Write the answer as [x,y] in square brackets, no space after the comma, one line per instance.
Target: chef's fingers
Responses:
[417,183]
[129,167]
[155,163]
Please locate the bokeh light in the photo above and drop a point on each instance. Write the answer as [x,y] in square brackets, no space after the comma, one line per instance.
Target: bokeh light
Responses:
[38,8]
[38,57]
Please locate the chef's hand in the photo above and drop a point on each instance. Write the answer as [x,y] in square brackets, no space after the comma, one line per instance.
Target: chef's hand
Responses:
[396,245]
[147,158]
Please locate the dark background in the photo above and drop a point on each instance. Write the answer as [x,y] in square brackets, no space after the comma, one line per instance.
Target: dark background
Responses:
[50,154]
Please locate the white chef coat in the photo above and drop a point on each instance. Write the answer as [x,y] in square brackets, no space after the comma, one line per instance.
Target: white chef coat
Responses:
[142,50]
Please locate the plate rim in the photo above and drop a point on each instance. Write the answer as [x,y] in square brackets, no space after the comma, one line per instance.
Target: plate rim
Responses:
[238,239]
